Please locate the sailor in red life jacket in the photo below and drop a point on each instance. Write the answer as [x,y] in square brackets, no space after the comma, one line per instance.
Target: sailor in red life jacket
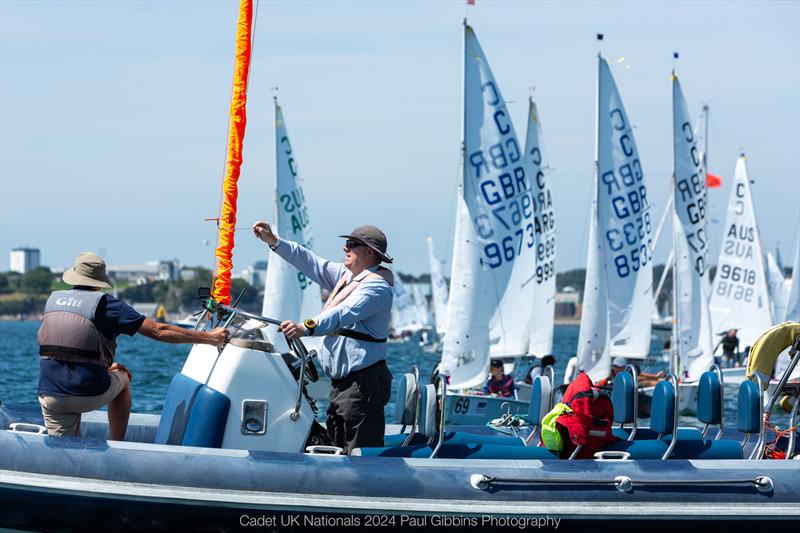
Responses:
[499,383]
[355,323]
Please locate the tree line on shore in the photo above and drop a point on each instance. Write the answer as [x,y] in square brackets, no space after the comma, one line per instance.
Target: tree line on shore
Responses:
[26,294]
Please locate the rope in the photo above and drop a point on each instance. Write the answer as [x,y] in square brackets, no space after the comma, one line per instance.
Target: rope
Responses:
[771,451]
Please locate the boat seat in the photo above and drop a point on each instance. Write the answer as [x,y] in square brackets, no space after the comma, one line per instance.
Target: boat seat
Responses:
[709,412]
[405,404]
[466,445]
[664,413]
[622,397]
[405,410]
[193,415]
[748,410]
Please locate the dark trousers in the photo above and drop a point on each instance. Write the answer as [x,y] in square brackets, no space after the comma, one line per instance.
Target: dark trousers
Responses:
[355,412]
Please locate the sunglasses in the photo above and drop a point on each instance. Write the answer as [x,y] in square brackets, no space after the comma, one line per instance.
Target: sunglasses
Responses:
[351,244]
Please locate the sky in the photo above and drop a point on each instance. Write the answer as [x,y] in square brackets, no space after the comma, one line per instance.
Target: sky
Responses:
[113,116]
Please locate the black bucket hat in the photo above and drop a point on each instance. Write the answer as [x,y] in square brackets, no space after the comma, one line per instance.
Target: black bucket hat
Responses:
[372,237]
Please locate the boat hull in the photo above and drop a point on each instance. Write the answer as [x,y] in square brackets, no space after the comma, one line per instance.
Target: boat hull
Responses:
[148,487]
[139,486]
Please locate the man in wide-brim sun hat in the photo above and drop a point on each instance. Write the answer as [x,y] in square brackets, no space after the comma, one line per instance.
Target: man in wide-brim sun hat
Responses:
[78,344]
[355,323]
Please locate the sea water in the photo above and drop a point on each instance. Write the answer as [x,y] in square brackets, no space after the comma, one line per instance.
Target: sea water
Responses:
[153,364]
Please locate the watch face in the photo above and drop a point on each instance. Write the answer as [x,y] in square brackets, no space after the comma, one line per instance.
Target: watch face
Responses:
[310,323]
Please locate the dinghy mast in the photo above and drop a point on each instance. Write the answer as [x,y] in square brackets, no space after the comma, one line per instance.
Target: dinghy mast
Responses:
[233,164]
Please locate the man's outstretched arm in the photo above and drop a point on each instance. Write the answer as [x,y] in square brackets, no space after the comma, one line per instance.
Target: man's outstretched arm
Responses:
[176,335]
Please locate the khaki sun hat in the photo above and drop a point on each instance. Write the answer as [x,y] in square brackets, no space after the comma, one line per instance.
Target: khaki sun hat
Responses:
[89,271]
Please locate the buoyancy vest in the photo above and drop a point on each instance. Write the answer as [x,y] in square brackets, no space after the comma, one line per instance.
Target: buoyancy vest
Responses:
[345,286]
[729,343]
[505,387]
[68,332]
[583,419]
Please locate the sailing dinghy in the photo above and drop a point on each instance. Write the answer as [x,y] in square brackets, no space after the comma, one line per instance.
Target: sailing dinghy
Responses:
[288,293]
[499,230]
[617,301]
[740,296]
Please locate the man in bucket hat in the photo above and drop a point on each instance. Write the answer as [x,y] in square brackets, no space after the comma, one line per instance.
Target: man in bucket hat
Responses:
[77,345]
[355,321]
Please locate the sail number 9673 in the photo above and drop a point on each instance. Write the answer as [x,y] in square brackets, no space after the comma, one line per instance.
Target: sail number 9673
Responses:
[509,248]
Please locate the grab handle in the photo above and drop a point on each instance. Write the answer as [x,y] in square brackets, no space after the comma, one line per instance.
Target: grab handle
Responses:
[611,455]
[22,427]
[321,449]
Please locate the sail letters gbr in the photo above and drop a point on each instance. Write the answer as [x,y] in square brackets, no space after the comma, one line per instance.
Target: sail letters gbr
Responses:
[499,172]
[622,195]
[691,194]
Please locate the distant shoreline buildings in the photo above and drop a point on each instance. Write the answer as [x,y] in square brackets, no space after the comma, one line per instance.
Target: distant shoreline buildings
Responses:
[23,260]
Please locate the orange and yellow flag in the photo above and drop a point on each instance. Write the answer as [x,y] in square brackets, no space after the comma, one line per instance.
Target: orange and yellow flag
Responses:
[238,121]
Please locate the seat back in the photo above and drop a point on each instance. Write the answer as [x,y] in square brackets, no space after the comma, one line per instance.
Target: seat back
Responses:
[427,411]
[541,394]
[749,414]
[405,400]
[622,395]
[709,401]
[193,414]
[662,417]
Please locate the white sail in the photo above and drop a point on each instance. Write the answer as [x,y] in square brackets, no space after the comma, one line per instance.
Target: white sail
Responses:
[740,298]
[405,315]
[421,306]
[593,338]
[619,274]
[494,251]
[779,288]
[439,290]
[692,335]
[544,294]
[793,302]
[288,294]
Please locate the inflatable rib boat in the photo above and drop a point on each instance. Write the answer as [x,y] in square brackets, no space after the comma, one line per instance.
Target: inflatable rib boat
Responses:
[237,441]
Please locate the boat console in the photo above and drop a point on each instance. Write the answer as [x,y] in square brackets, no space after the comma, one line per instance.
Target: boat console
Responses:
[266,407]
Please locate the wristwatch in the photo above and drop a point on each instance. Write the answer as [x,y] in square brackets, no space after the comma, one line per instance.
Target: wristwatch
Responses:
[310,325]
[273,246]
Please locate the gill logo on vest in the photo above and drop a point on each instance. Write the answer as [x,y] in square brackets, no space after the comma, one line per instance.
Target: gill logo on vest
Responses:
[69,302]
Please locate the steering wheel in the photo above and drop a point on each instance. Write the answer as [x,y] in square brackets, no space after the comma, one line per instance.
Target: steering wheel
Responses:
[301,351]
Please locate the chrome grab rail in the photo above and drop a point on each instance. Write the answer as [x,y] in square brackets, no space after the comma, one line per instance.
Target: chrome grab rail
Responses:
[757,449]
[635,373]
[793,424]
[414,420]
[718,371]
[672,378]
[551,374]
[794,353]
[442,380]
